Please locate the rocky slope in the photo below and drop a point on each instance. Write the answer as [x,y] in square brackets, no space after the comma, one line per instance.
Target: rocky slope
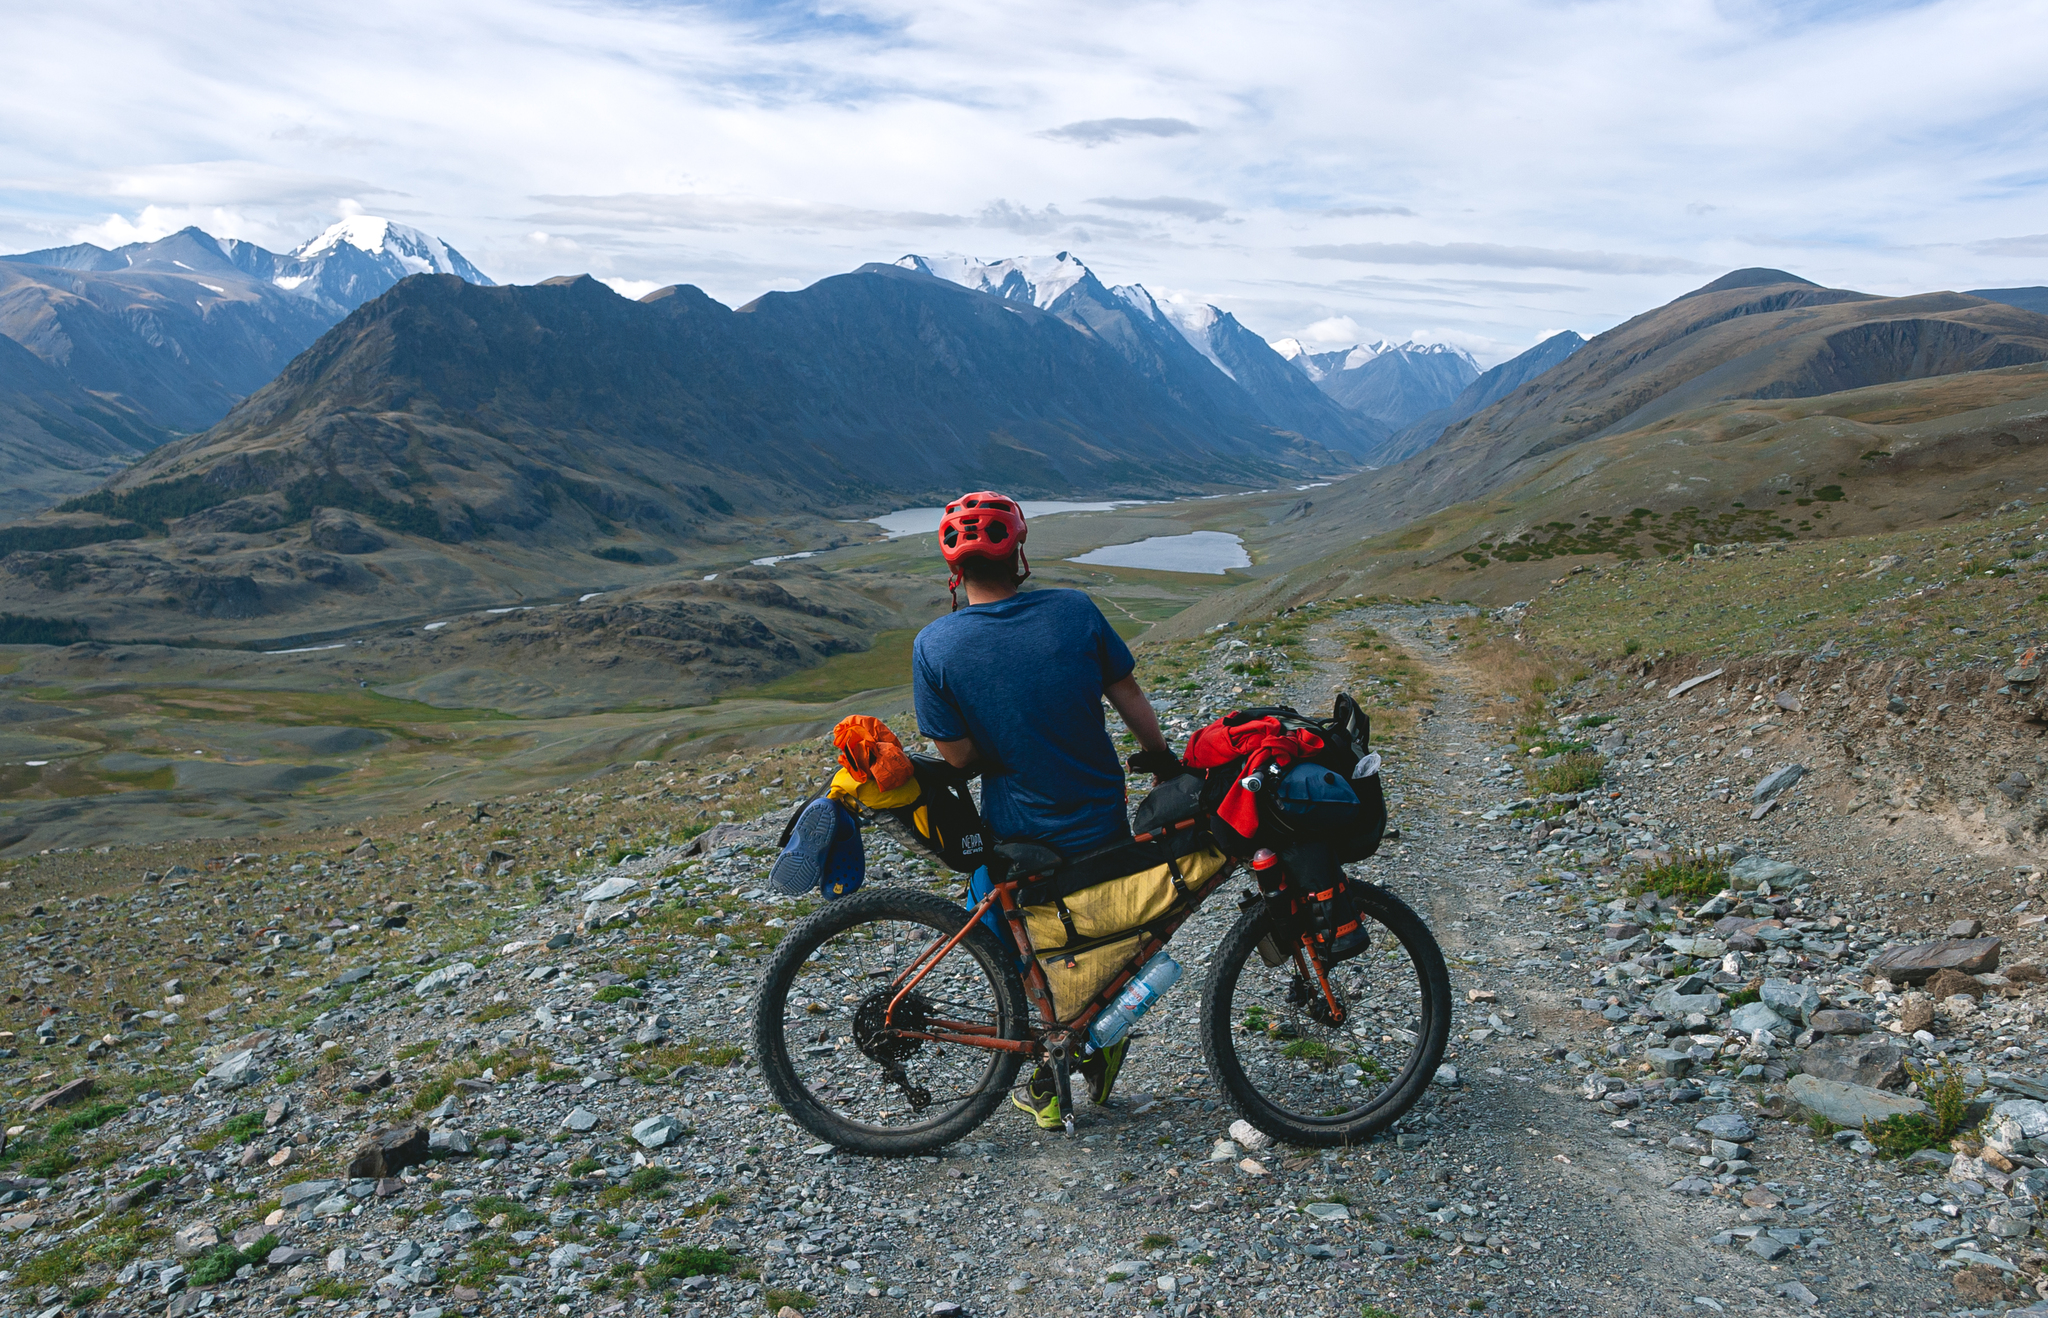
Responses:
[1753,334]
[575,1122]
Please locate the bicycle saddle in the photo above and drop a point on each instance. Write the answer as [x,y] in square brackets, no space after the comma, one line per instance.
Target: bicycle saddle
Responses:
[1025,858]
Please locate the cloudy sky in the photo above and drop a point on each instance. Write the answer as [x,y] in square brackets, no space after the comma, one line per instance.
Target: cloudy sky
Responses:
[1475,172]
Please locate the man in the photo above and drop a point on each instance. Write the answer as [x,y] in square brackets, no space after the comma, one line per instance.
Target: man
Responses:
[1012,686]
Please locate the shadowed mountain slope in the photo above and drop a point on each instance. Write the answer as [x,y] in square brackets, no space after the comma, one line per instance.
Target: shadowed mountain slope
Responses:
[55,438]
[447,439]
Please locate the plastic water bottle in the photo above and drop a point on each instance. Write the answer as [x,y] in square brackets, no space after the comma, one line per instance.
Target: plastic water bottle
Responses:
[1161,973]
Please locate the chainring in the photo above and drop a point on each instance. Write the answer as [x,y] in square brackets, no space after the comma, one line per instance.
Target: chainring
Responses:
[881,1042]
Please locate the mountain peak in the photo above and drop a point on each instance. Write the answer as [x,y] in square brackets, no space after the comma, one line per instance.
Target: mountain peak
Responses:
[1039,280]
[1756,276]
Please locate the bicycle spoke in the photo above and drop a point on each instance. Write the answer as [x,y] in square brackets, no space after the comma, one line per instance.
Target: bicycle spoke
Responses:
[842,999]
[1300,1057]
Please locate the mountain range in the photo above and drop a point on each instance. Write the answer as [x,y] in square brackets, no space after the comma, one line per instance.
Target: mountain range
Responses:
[152,340]
[1489,388]
[445,430]
[1394,384]
[1665,388]
[1200,353]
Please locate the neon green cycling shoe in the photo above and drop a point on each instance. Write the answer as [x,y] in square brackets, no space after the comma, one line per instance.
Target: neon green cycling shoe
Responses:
[1038,1097]
[1100,1069]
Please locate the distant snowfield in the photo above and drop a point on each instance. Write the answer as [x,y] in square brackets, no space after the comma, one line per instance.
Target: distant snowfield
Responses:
[1211,552]
[924,521]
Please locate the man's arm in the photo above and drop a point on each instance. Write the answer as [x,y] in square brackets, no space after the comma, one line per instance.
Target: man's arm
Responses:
[1129,701]
[959,753]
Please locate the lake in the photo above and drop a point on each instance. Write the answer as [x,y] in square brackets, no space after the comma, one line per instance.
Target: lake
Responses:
[1212,552]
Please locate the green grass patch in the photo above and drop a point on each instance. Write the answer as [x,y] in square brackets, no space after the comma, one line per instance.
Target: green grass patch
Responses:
[775,1299]
[886,663]
[615,993]
[1694,875]
[223,1261]
[1578,771]
[692,1261]
[1944,1088]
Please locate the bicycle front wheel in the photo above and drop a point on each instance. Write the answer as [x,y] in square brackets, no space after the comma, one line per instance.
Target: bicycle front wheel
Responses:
[1305,1074]
[869,1080]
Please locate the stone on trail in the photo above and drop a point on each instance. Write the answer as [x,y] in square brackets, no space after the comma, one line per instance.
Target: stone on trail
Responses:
[1677,1006]
[1670,1062]
[445,977]
[1327,1212]
[1795,1002]
[616,886]
[1874,1063]
[655,1132]
[2013,1121]
[1753,870]
[195,1239]
[388,1152]
[1249,1137]
[1778,781]
[1223,1151]
[447,1143]
[64,1095]
[1847,1105]
[1726,1126]
[1753,1016]
[304,1192]
[580,1120]
[1919,962]
[1837,1021]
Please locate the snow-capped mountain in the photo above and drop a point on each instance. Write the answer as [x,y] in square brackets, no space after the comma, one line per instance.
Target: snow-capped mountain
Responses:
[168,335]
[1393,383]
[364,255]
[1039,280]
[1199,352]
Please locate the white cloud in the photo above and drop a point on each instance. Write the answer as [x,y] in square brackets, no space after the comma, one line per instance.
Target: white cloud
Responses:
[1333,332]
[757,146]
[633,288]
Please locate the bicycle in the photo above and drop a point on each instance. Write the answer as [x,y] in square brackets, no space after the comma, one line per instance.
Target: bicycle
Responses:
[892,1022]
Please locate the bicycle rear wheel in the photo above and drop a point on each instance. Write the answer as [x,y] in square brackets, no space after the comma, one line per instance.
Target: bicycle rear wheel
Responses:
[1294,1070]
[842,1072]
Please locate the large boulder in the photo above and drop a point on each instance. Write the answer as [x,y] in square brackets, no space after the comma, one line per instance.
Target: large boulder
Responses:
[1920,962]
[389,1151]
[1753,1016]
[1850,1106]
[2013,1122]
[1872,1063]
[1795,1002]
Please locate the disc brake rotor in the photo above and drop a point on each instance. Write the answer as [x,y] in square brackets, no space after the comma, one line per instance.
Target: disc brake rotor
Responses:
[884,1042]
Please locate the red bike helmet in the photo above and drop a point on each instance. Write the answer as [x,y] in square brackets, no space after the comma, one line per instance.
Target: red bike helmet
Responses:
[983,524]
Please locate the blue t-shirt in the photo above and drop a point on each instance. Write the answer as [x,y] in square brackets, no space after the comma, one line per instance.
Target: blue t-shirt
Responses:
[1024,678]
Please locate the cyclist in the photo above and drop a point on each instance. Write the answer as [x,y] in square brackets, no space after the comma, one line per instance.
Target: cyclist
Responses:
[1012,686]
